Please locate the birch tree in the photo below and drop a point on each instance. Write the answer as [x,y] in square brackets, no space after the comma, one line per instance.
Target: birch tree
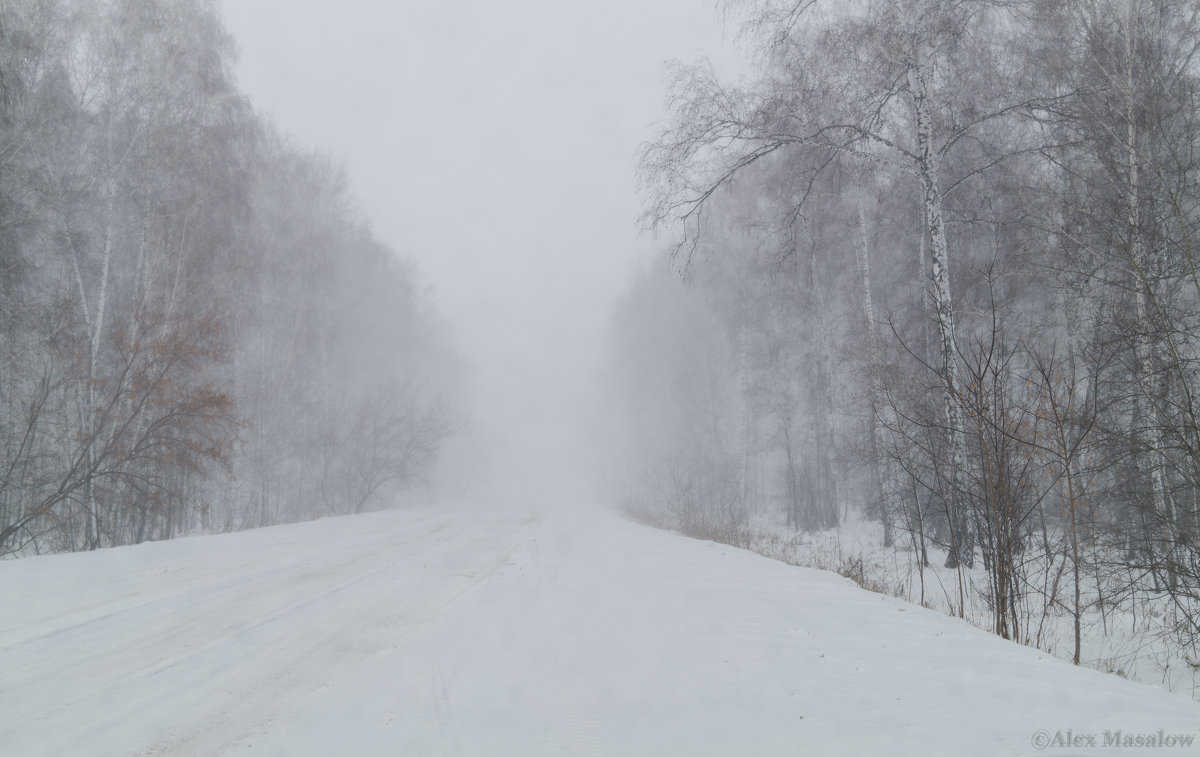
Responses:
[896,85]
[139,257]
[1127,223]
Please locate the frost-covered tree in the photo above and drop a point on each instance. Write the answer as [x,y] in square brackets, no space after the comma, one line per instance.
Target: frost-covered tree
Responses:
[191,307]
[921,88]
[951,242]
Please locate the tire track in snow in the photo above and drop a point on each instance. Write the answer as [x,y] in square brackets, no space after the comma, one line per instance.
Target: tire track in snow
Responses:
[199,616]
[146,587]
[238,648]
[475,551]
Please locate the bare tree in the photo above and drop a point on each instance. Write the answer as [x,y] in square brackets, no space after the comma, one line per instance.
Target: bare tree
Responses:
[895,85]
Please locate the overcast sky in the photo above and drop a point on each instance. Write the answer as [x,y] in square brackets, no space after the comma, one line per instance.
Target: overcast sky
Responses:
[493,142]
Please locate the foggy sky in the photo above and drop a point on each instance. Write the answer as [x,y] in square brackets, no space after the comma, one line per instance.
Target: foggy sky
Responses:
[493,142]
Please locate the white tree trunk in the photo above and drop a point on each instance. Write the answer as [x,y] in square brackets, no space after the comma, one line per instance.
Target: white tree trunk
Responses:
[871,331]
[1146,409]
[962,538]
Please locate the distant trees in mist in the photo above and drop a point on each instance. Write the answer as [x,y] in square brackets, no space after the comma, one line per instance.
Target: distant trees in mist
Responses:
[942,268]
[196,329]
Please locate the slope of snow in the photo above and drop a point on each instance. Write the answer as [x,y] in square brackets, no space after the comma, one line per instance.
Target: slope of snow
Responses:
[1132,636]
[463,632]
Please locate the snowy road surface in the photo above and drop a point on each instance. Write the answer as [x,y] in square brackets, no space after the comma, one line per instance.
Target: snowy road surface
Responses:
[484,633]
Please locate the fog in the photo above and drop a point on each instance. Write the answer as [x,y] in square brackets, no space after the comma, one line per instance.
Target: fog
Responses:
[493,143]
[357,294]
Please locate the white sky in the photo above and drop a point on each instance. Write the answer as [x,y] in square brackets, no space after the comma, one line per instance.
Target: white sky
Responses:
[493,142]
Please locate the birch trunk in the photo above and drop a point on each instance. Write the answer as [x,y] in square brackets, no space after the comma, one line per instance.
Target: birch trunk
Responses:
[871,332]
[962,544]
[93,323]
[1146,407]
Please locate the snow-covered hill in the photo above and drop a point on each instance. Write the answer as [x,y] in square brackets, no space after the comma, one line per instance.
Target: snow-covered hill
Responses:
[469,632]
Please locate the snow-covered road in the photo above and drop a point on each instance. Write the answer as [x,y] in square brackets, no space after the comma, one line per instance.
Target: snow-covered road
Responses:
[469,632]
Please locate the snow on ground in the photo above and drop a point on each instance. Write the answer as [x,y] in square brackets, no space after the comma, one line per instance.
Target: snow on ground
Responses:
[463,632]
[1132,644]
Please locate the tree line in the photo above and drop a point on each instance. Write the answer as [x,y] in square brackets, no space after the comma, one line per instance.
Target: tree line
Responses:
[942,269]
[197,328]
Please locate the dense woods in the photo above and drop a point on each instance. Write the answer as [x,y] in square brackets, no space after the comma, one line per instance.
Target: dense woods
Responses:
[197,330]
[941,270]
